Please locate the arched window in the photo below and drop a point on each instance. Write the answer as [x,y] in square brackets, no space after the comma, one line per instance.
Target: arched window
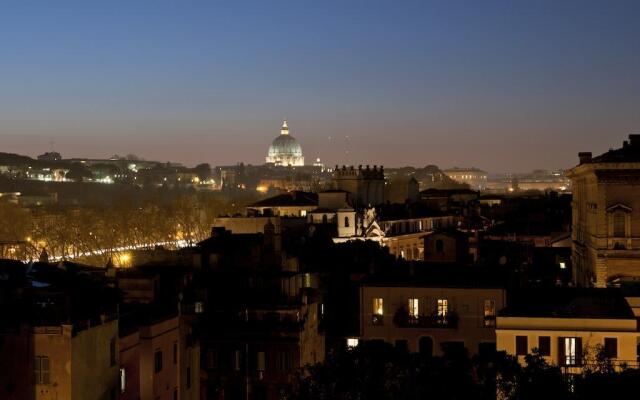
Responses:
[439,246]
[346,222]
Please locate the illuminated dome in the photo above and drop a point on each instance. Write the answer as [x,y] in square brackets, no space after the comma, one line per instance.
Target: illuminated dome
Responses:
[285,149]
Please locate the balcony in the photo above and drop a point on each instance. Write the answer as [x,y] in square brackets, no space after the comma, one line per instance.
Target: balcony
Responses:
[402,319]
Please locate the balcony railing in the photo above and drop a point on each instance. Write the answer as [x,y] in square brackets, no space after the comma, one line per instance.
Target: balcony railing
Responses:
[403,320]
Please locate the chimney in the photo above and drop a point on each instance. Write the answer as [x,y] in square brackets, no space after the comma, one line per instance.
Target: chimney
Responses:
[585,157]
[634,140]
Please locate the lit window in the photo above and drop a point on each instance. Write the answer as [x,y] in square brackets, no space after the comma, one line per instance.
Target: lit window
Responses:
[563,265]
[261,361]
[443,309]
[570,351]
[352,342]
[42,370]
[489,313]
[199,307]
[303,213]
[414,308]
[378,311]
[378,306]
[123,380]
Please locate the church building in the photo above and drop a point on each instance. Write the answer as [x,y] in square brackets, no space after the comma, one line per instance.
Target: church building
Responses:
[285,150]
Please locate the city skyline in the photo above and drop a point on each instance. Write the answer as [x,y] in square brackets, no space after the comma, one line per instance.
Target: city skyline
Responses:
[502,89]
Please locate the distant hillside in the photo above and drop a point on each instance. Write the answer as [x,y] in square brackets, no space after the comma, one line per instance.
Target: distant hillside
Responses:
[14,159]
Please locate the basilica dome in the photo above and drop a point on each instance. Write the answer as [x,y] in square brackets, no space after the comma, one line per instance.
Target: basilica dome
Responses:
[285,149]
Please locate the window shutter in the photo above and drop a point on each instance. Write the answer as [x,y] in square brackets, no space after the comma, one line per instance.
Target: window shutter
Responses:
[579,351]
[261,361]
[611,347]
[561,360]
[236,360]
[45,370]
[36,369]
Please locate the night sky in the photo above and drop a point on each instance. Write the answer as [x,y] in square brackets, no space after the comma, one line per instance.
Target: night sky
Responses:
[503,86]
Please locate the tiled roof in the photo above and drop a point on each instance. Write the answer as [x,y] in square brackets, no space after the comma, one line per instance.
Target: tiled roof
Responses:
[289,199]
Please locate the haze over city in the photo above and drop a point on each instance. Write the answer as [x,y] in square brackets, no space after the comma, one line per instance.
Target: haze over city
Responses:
[319,200]
[498,85]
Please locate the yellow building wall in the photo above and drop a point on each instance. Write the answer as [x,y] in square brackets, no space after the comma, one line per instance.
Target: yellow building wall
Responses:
[93,376]
[598,330]
[55,344]
[80,365]
[158,337]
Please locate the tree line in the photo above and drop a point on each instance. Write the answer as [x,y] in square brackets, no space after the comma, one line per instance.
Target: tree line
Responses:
[69,232]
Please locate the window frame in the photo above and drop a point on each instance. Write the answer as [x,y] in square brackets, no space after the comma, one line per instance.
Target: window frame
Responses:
[42,375]
[608,350]
[544,345]
[157,361]
[377,312]
[413,307]
[522,345]
[442,310]
[490,312]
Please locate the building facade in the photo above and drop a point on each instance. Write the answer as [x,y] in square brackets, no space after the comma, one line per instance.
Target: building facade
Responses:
[474,177]
[605,215]
[427,318]
[159,360]
[60,362]
[571,330]
[366,185]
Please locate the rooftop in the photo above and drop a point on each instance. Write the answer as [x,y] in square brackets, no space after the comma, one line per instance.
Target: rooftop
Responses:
[568,303]
[289,199]
[629,152]
[436,276]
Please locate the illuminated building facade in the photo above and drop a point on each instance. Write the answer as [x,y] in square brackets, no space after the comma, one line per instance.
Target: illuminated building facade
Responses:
[426,318]
[605,222]
[474,177]
[365,184]
[568,327]
[285,149]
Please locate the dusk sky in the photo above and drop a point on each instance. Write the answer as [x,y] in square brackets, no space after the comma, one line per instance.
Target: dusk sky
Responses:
[503,86]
